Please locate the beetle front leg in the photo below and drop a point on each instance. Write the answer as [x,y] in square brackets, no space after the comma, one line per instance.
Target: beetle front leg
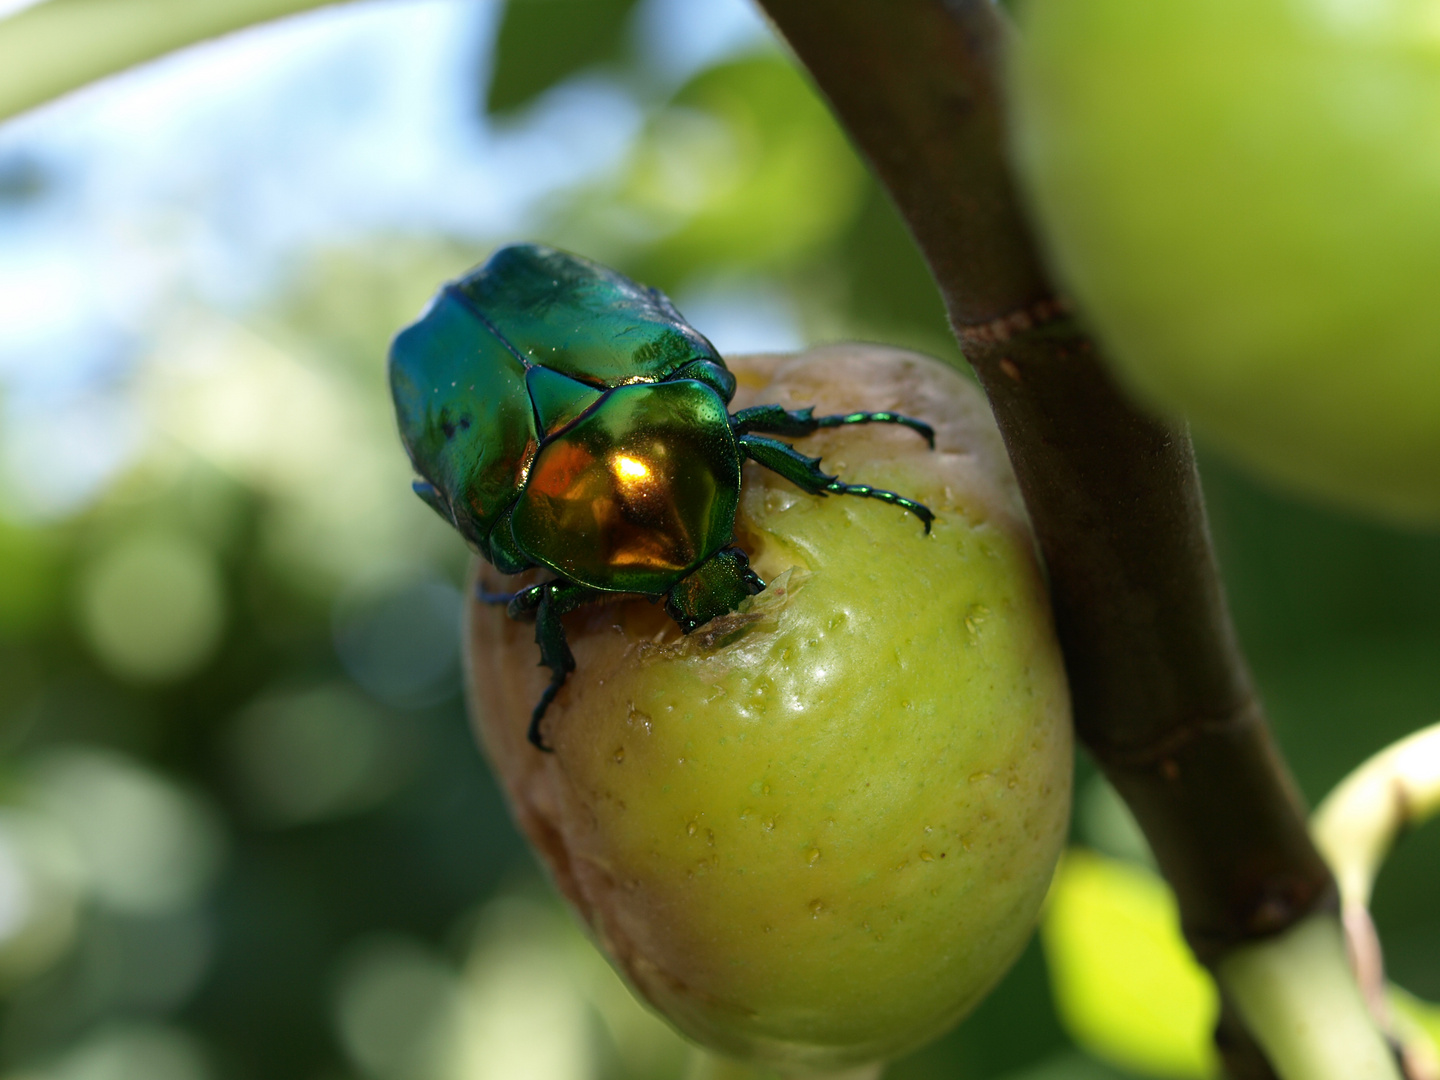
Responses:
[777,420]
[805,473]
[548,602]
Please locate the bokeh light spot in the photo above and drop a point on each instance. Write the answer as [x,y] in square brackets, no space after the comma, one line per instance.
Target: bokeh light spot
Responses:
[134,1052]
[40,893]
[152,606]
[146,846]
[314,755]
[528,1012]
[402,644]
[396,1008]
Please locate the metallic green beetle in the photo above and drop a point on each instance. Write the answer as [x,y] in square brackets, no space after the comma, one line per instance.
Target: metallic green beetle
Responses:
[562,416]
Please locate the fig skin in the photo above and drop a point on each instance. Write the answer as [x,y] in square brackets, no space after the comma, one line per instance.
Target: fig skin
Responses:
[1243,196]
[816,831]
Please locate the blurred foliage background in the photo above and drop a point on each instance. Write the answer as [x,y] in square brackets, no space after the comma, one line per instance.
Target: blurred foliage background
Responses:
[244,831]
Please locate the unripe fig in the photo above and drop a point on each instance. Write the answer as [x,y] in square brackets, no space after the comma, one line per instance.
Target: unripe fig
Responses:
[1244,198]
[816,831]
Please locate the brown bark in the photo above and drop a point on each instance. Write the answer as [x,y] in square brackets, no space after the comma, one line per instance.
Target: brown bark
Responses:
[1163,700]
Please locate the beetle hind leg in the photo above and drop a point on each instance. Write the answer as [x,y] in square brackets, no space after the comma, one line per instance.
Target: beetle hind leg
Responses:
[865,491]
[805,473]
[546,603]
[777,420]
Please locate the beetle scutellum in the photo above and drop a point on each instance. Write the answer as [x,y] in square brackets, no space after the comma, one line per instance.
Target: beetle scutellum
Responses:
[563,416]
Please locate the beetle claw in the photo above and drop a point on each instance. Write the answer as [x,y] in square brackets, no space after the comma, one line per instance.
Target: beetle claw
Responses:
[536,739]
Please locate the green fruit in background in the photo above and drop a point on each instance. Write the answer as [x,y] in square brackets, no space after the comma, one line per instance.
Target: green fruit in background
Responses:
[1244,198]
[816,831]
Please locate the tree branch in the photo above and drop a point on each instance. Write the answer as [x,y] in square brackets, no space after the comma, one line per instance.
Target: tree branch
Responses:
[1162,696]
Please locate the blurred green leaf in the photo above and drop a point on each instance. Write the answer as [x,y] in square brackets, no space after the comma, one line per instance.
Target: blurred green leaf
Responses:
[29,586]
[889,293]
[543,42]
[743,169]
[780,180]
[56,46]
[1125,984]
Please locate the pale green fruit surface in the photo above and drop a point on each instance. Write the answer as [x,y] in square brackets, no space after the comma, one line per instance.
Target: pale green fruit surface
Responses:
[817,831]
[1244,198]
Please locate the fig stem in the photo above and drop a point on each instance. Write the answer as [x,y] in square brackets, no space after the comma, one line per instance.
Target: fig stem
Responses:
[1162,696]
[707,1066]
[1296,993]
[1396,790]
[1356,826]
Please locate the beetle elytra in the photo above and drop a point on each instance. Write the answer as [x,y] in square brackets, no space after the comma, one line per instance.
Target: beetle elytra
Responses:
[562,416]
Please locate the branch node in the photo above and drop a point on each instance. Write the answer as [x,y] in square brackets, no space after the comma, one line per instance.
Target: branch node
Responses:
[1160,754]
[1031,317]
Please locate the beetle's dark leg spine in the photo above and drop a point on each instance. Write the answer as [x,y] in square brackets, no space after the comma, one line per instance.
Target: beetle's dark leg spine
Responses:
[777,420]
[485,596]
[547,602]
[805,473]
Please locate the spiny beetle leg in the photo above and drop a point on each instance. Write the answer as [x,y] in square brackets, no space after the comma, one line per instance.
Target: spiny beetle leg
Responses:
[777,420]
[865,491]
[550,601]
[805,473]
[523,604]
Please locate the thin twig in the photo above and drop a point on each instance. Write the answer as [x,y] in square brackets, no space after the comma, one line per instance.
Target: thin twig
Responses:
[1356,826]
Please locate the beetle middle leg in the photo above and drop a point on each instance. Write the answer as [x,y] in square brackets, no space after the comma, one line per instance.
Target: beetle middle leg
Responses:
[778,420]
[546,603]
[805,473]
